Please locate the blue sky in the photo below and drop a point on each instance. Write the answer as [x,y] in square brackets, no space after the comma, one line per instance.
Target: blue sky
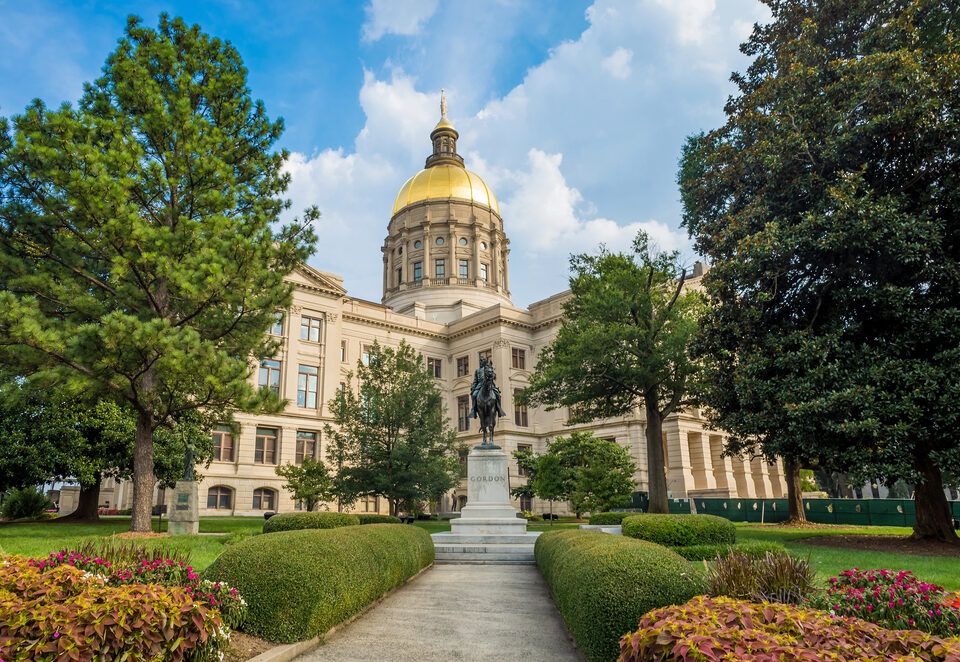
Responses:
[573,111]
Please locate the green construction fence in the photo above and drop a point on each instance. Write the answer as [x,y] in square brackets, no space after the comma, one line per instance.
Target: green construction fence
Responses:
[853,512]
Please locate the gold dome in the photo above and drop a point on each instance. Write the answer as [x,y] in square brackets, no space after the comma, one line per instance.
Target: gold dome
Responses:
[445,181]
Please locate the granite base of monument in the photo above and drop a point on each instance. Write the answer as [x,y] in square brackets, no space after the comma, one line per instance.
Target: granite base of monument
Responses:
[488,529]
[183,514]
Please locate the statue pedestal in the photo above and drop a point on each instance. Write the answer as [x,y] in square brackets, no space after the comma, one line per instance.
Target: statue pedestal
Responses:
[183,513]
[488,509]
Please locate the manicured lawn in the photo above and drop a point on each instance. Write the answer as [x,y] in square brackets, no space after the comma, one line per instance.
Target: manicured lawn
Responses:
[40,538]
[940,570]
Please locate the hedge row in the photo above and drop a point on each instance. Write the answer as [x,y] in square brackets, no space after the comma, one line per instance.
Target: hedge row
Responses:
[680,530]
[374,518]
[65,613]
[611,518]
[299,584]
[603,584]
[726,629]
[308,520]
[756,549]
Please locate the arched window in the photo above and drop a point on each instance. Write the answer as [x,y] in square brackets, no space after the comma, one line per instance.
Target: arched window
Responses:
[220,497]
[264,499]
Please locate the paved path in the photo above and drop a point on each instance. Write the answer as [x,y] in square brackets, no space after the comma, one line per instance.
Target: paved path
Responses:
[472,613]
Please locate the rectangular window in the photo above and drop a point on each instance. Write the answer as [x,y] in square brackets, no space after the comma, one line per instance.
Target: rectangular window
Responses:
[370,504]
[464,269]
[310,329]
[365,354]
[399,276]
[276,327]
[307,386]
[483,272]
[485,352]
[526,503]
[463,366]
[306,446]
[270,375]
[222,444]
[441,268]
[265,451]
[343,351]
[434,367]
[520,469]
[519,359]
[519,411]
[463,411]
[418,271]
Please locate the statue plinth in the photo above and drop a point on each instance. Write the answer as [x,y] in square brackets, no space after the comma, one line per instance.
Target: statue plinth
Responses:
[488,509]
[183,513]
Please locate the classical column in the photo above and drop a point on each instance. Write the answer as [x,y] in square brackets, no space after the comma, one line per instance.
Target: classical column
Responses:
[506,262]
[722,466]
[405,261]
[701,462]
[495,260]
[679,474]
[427,267]
[761,477]
[386,270]
[476,256]
[741,474]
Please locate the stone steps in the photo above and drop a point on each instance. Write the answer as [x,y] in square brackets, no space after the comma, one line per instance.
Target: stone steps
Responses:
[484,548]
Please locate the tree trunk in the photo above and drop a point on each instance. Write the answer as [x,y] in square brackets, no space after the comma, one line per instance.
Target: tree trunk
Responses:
[795,511]
[656,469]
[934,521]
[88,504]
[143,479]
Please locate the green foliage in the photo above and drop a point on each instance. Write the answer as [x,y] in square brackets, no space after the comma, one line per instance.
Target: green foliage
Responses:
[622,343]
[769,577]
[753,549]
[592,474]
[807,481]
[62,613]
[603,584]
[123,554]
[392,438]
[26,503]
[299,584]
[611,519]
[148,269]
[373,518]
[680,530]
[308,520]
[237,536]
[309,482]
[724,628]
[893,599]
[828,205]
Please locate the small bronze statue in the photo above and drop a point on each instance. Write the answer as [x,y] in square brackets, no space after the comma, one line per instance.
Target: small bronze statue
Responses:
[188,462]
[486,401]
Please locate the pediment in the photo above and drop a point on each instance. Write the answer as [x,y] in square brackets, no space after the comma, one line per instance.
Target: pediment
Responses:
[306,277]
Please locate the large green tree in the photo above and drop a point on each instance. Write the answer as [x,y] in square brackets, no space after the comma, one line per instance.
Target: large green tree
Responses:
[623,344]
[828,203]
[308,482]
[138,250]
[392,438]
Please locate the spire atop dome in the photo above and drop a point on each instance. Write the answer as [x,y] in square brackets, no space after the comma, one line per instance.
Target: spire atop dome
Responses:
[444,138]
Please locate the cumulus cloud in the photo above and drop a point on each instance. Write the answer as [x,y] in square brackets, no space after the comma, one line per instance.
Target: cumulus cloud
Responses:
[402,17]
[618,64]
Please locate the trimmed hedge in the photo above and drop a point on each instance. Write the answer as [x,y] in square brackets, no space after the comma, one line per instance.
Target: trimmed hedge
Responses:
[611,519]
[374,518]
[308,520]
[604,584]
[299,584]
[753,548]
[680,530]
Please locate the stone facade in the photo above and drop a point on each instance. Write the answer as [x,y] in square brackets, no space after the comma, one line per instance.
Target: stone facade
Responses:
[450,318]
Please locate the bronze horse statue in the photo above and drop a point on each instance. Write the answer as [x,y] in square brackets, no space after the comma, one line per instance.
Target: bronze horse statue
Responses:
[486,406]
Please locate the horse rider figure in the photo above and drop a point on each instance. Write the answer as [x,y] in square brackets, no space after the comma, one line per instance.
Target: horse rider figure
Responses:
[478,377]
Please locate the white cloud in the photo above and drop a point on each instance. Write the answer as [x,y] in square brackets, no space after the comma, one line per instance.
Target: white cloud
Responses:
[403,17]
[618,64]
[690,18]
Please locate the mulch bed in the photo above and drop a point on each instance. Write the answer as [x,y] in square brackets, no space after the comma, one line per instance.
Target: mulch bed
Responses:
[892,544]
[244,646]
[139,534]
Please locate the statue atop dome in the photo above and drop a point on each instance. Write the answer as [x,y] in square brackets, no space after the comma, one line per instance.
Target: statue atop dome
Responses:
[444,139]
[443,105]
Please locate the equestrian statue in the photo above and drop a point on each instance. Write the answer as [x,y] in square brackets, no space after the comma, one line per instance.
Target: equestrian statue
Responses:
[486,401]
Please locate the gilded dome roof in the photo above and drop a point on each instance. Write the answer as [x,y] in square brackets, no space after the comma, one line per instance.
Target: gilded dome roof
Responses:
[444,181]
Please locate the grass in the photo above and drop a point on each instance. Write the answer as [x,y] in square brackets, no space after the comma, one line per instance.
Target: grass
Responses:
[828,561]
[37,539]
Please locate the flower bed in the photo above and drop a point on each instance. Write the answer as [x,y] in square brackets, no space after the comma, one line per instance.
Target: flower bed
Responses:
[712,629]
[893,599]
[65,613]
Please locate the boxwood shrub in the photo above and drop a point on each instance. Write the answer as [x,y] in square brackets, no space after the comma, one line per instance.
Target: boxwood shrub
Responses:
[299,584]
[611,519]
[374,518]
[680,530]
[308,520]
[754,548]
[604,584]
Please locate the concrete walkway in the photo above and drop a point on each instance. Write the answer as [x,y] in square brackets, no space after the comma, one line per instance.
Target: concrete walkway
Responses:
[473,613]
